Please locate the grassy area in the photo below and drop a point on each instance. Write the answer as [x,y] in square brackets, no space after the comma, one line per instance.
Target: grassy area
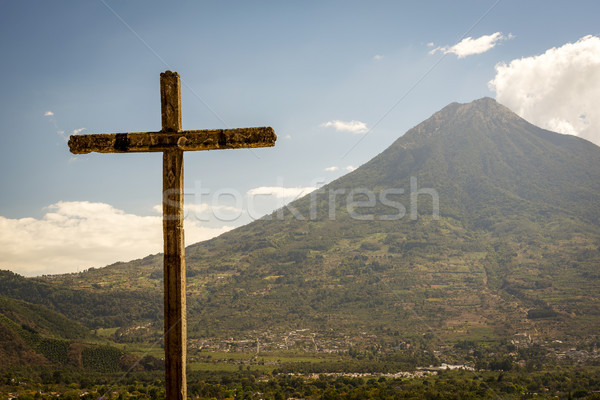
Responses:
[144,349]
[243,361]
[106,332]
[223,367]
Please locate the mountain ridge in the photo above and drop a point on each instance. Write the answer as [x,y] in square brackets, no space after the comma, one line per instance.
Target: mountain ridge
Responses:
[515,247]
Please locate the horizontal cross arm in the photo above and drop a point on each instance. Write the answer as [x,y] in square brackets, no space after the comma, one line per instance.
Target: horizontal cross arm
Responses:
[210,139]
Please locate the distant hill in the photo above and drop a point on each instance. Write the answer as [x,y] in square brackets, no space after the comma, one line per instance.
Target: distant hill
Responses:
[99,304]
[14,351]
[512,247]
[40,319]
[33,334]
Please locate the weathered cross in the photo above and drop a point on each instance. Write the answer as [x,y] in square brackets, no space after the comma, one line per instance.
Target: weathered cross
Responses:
[172,142]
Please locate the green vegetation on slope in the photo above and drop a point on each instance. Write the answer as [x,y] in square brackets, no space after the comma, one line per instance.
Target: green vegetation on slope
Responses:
[515,249]
[94,307]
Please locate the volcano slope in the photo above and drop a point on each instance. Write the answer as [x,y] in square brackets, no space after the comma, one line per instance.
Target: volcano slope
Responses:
[475,224]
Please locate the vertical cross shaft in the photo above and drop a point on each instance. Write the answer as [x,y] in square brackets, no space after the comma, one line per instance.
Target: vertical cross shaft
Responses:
[172,141]
[174,247]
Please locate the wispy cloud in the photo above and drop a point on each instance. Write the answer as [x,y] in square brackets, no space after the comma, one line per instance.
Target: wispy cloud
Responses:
[357,127]
[557,90]
[201,208]
[378,57]
[334,168]
[61,132]
[281,192]
[210,212]
[470,46]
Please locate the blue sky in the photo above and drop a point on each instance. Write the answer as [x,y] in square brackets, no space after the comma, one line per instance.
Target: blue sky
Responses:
[93,67]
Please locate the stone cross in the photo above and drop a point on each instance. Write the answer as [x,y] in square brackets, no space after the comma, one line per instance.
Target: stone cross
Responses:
[172,142]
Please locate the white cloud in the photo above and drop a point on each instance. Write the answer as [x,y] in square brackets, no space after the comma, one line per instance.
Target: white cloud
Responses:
[343,126]
[288,137]
[430,44]
[78,235]
[558,90]
[196,208]
[377,57]
[469,46]
[73,132]
[59,132]
[349,168]
[281,192]
[205,212]
[204,207]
